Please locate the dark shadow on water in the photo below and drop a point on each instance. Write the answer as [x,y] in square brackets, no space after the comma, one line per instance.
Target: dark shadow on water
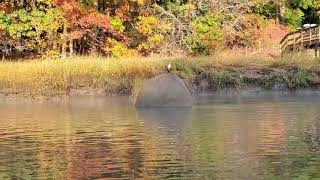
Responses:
[171,118]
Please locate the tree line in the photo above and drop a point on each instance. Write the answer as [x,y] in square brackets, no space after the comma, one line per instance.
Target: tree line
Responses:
[61,28]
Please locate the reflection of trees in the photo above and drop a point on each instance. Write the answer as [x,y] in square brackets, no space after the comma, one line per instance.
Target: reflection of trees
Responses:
[21,161]
[105,143]
[272,138]
[272,134]
[312,135]
[31,149]
[220,139]
[166,158]
[302,159]
[99,140]
[307,163]
[126,148]
[232,137]
[74,141]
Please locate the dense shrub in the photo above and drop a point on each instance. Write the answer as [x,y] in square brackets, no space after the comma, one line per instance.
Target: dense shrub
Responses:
[206,36]
[118,28]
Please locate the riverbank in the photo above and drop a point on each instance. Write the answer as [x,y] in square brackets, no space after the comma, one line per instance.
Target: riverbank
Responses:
[108,77]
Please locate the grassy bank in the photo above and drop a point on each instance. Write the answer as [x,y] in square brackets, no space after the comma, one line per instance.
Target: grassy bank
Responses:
[94,75]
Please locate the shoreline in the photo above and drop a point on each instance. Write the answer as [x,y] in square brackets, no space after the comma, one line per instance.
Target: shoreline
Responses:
[98,76]
[245,92]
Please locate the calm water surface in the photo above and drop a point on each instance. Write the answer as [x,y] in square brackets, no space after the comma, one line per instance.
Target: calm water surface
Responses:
[219,138]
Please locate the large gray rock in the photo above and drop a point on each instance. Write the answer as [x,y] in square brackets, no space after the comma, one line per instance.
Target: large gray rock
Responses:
[166,90]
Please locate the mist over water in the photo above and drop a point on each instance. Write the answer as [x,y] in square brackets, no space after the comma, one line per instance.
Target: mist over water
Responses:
[218,138]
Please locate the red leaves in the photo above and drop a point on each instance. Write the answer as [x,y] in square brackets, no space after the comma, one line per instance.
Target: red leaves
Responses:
[82,19]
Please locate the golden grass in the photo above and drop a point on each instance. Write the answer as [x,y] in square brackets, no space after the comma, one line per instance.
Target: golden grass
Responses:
[43,76]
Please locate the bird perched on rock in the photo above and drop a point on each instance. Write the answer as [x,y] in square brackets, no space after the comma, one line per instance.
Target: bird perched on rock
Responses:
[169,66]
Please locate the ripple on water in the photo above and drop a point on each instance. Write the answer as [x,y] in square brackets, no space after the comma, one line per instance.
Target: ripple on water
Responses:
[101,138]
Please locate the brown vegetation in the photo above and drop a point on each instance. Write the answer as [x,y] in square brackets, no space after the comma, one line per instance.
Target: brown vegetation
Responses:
[96,75]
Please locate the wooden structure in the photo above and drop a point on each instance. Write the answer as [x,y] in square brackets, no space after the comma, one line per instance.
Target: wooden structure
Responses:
[306,38]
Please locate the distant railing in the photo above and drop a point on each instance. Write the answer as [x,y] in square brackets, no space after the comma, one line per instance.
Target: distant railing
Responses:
[305,38]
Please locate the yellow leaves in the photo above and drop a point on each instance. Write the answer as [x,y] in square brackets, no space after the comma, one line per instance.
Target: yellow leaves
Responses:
[143,46]
[117,49]
[156,39]
[147,24]
[152,42]
[152,32]
[140,2]
[186,7]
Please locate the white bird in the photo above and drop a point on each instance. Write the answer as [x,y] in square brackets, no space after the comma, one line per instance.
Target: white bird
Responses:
[169,66]
[306,26]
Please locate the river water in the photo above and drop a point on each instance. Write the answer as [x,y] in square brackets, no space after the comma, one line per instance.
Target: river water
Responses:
[219,138]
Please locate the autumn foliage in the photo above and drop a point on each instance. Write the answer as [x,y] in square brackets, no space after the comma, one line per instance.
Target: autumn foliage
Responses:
[61,28]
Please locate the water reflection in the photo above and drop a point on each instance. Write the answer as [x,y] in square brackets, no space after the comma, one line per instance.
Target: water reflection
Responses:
[172,119]
[108,138]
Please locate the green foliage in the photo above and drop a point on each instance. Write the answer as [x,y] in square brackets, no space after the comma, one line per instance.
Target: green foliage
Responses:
[301,3]
[17,24]
[34,28]
[206,36]
[116,23]
[291,12]
[300,79]
[184,11]
[293,17]
[266,10]
[86,3]
[225,79]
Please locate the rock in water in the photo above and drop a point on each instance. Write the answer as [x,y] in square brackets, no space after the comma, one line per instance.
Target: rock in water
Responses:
[166,90]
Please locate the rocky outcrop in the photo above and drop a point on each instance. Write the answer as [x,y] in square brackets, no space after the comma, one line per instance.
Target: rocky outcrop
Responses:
[166,90]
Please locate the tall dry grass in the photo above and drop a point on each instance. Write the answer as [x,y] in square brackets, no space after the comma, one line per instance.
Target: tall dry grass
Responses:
[115,75]
[41,76]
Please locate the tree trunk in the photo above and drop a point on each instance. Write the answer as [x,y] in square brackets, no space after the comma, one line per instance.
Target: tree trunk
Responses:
[71,47]
[277,13]
[281,11]
[280,8]
[94,50]
[64,43]
[21,3]
[101,5]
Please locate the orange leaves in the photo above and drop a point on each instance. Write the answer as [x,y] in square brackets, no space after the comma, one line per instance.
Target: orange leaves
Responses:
[76,34]
[124,8]
[71,10]
[83,17]
[2,6]
[6,8]
[124,12]
[94,19]
[61,2]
